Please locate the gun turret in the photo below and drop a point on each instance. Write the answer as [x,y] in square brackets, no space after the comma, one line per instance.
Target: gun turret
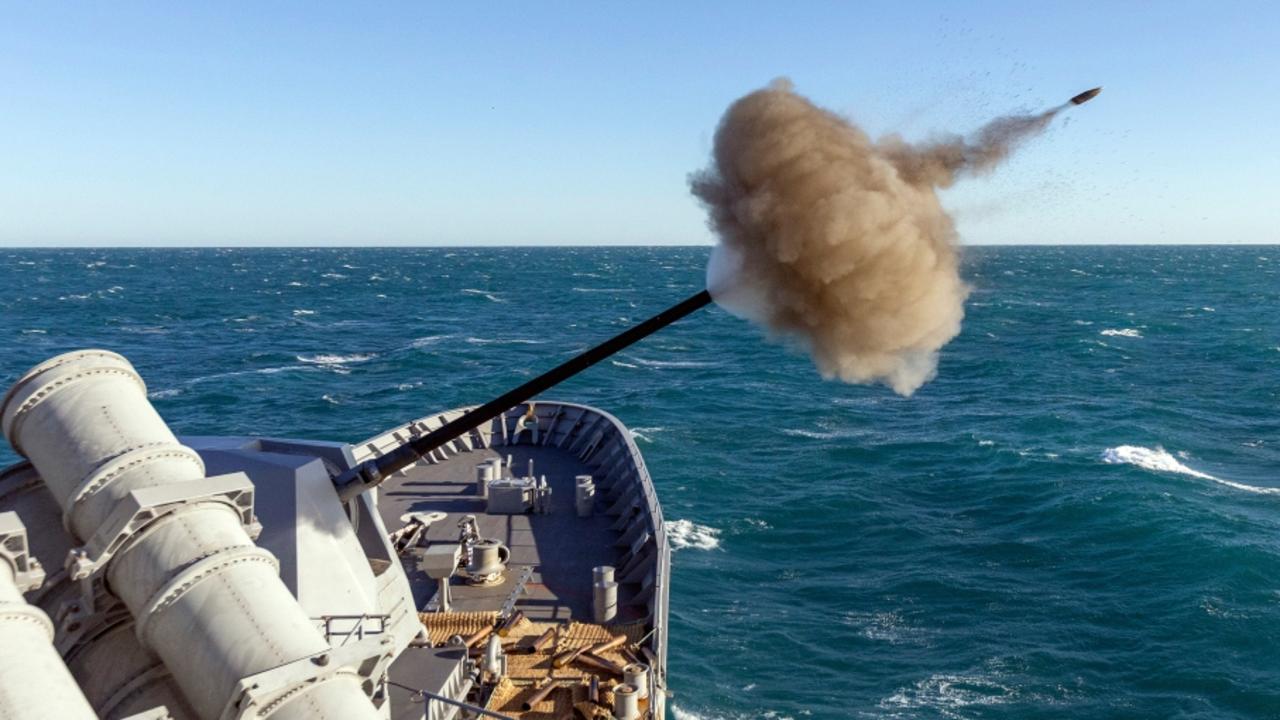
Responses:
[371,473]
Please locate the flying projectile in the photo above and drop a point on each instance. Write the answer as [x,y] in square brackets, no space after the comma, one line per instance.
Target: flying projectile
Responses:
[1085,96]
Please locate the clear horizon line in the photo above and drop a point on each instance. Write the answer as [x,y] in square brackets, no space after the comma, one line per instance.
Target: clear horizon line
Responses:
[572,245]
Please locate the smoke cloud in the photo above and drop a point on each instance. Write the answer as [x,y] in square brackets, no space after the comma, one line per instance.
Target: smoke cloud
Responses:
[839,242]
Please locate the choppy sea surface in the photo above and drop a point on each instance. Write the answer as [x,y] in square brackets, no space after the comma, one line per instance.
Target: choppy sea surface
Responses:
[1080,517]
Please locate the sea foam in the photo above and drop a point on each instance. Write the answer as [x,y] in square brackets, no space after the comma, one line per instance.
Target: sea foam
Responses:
[325,359]
[685,534]
[946,694]
[643,433]
[485,294]
[426,341]
[680,713]
[1159,460]
[672,363]
[504,341]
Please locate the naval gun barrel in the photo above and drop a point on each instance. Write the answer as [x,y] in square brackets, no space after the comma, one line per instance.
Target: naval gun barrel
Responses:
[371,473]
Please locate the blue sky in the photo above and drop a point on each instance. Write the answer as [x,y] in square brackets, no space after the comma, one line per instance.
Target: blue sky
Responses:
[577,123]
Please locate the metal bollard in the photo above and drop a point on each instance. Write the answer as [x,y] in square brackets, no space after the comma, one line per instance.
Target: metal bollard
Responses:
[605,597]
[626,702]
[584,495]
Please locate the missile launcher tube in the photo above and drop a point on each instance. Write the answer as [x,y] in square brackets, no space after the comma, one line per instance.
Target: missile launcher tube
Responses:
[118,676]
[34,682]
[205,598]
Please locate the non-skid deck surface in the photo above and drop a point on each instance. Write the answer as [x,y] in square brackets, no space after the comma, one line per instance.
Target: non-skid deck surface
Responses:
[561,547]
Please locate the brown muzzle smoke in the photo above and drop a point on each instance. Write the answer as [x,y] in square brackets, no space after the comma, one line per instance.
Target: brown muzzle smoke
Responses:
[838,242]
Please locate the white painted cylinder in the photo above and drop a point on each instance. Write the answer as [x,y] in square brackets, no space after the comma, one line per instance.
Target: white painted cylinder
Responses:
[604,601]
[483,472]
[637,676]
[118,676]
[602,573]
[626,702]
[584,498]
[207,600]
[543,504]
[121,678]
[34,682]
[493,657]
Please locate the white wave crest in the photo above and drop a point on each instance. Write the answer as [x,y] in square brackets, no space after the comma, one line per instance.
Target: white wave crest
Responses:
[300,313]
[672,363]
[619,363]
[258,371]
[1125,332]
[323,359]
[487,295]
[643,433]
[1159,460]
[506,341]
[811,434]
[824,433]
[946,694]
[427,340]
[680,713]
[686,534]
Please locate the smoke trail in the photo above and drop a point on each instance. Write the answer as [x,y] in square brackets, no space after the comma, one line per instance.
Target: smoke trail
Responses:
[840,242]
[941,161]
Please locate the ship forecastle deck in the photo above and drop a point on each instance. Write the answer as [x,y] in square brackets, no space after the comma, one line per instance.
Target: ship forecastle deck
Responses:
[552,552]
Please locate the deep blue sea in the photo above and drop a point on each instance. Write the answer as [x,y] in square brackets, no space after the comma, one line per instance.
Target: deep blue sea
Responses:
[1080,517]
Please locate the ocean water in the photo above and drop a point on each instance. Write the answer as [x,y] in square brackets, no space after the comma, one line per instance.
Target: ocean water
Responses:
[1080,517]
